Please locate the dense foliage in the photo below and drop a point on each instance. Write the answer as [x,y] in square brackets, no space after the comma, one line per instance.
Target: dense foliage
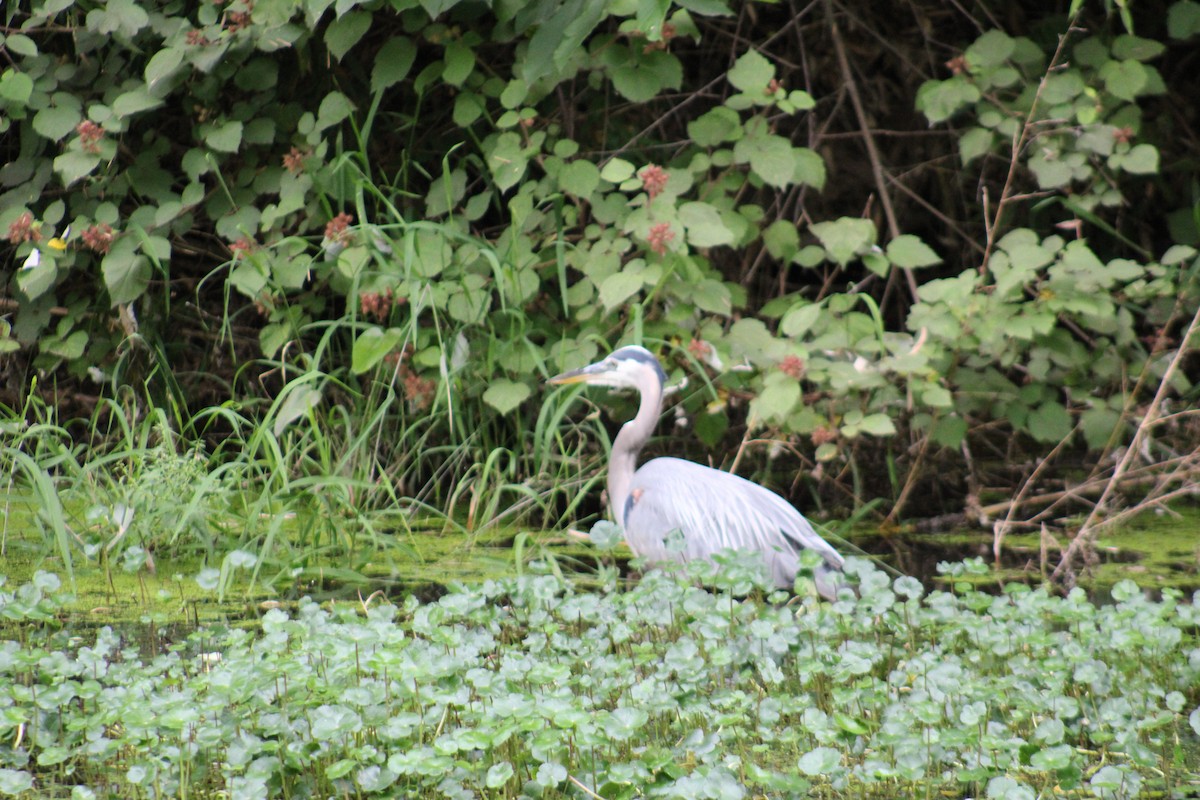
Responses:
[527,688]
[420,208]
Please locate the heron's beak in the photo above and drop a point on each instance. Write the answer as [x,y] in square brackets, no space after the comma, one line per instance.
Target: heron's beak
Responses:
[582,375]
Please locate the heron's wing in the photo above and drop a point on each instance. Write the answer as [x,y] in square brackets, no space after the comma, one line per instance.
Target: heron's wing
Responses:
[715,510]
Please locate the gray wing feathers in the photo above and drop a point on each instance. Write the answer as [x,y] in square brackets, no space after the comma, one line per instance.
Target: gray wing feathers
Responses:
[716,510]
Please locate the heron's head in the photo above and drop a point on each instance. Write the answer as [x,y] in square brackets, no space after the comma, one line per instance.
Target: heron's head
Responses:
[630,367]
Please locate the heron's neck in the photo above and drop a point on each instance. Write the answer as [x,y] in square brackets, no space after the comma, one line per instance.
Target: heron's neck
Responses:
[633,435]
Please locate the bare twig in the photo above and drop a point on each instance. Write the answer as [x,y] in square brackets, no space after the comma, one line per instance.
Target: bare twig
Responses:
[881,184]
[1091,526]
[583,788]
[999,529]
[1020,139]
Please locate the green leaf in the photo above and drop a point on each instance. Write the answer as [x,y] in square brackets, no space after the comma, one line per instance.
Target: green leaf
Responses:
[1124,79]
[1142,159]
[69,348]
[15,781]
[460,63]
[1049,422]
[345,31]
[617,170]
[334,108]
[975,143]
[777,400]
[937,397]
[1050,172]
[298,401]
[20,44]
[34,282]
[810,168]
[126,272]
[135,102]
[781,239]
[752,73]
[1183,19]
[717,125]
[55,122]
[940,100]
[878,425]
[706,8]
[950,432]
[990,50]
[507,160]
[371,346]
[605,535]
[704,225]
[579,178]
[74,164]
[1098,424]
[909,252]
[505,395]
[820,761]
[498,775]
[1129,46]
[643,77]
[1063,87]
[15,87]
[845,238]
[392,62]
[118,16]
[713,296]
[624,722]
[619,287]
[800,320]
[770,157]
[225,138]
[558,39]
[162,66]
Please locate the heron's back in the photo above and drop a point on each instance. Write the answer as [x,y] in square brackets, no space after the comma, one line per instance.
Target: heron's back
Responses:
[714,510]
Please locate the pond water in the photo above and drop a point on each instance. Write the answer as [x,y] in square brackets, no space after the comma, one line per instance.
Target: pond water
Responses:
[1156,551]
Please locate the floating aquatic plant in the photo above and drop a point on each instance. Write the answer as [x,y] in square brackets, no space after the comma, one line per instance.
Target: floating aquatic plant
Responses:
[528,687]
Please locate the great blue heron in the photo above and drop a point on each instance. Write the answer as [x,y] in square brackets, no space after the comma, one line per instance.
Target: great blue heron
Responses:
[712,509]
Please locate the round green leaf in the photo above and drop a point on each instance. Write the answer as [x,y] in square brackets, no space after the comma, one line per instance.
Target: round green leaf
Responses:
[617,170]
[499,774]
[225,138]
[820,761]
[55,122]
[1142,159]
[579,178]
